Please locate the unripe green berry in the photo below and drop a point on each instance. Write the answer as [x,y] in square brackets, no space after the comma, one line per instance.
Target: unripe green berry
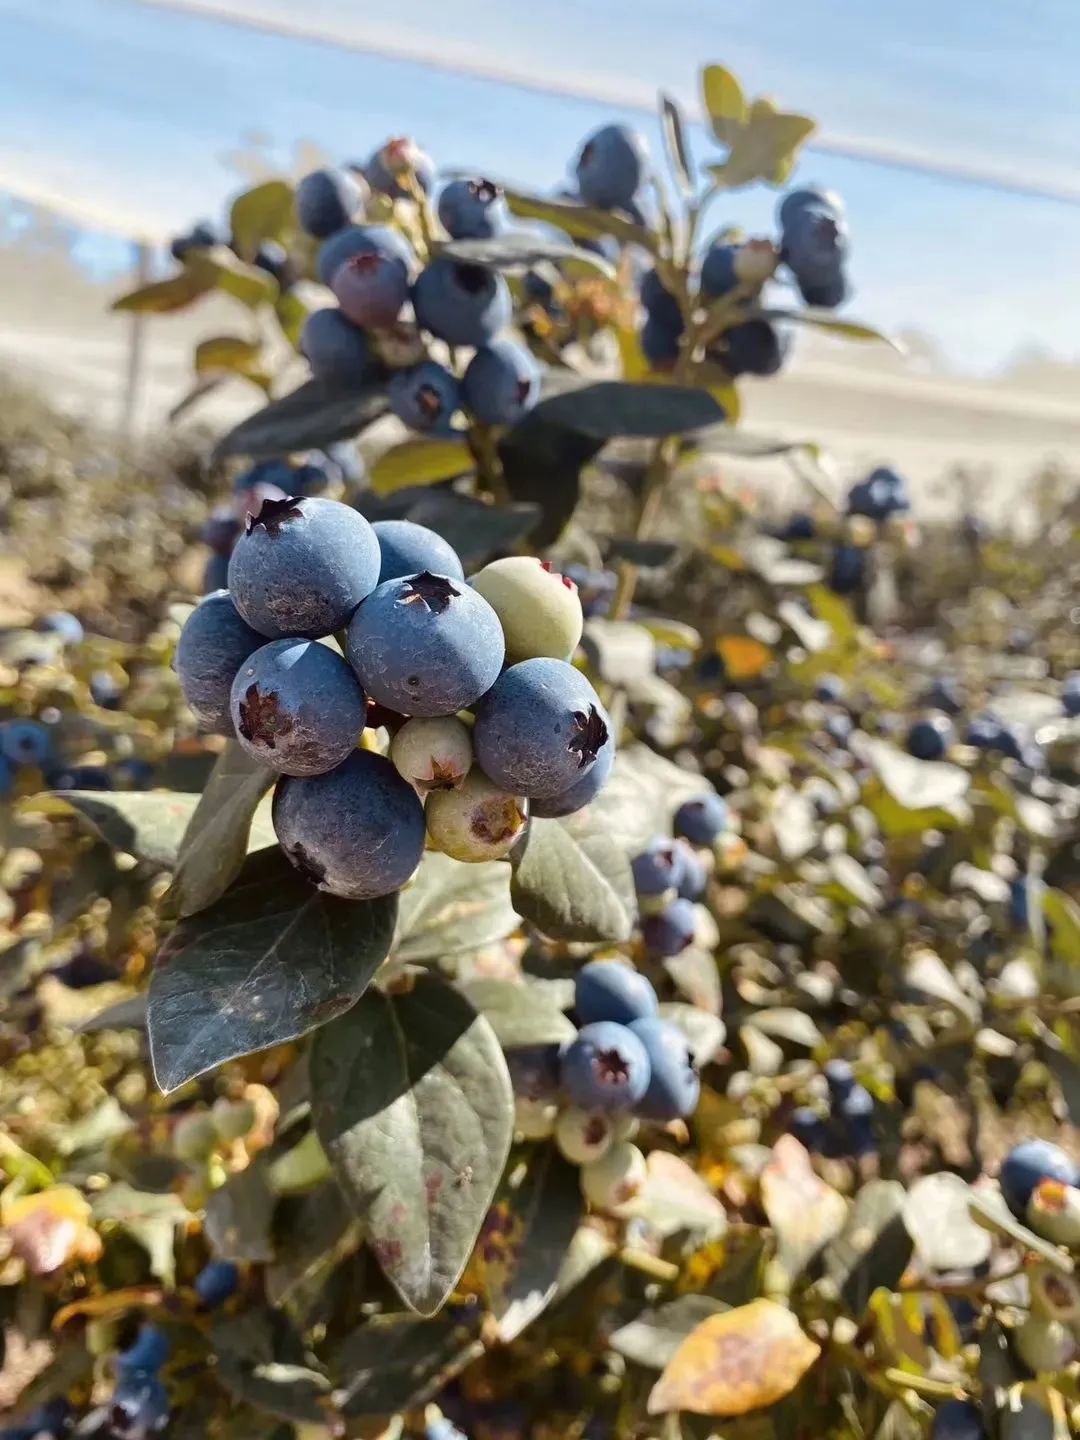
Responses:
[616,1178]
[233,1119]
[539,609]
[535,1119]
[478,821]
[433,754]
[1044,1345]
[584,1135]
[1054,1212]
[194,1136]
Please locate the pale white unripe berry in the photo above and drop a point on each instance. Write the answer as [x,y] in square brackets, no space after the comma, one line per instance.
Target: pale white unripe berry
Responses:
[433,754]
[616,1178]
[539,609]
[584,1135]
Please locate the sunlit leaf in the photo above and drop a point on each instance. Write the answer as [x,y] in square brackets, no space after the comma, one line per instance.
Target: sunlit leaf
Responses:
[725,104]
[420,462]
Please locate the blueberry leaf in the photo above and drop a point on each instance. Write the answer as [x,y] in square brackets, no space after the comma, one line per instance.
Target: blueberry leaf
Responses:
[520,1014]
[518,250]
[613,408]
[449,908]
[266,963]
[397,1362]
[262,1360]
[474,528]
[573,881]
[671,121]
[149,825]
[874,1246]
[412,1102]
[309,418]
[583,222]
[264,212]
[833,324]
[542,463]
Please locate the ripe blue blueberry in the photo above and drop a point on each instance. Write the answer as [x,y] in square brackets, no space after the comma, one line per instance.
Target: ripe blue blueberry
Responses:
[855,1110]
[64,624]
[399,157]
[848,569]
[371,288]
[839,1077]
[810,197]
[674,1086]
[105,689]
[149,1352]
[660,343]
[426,645]
[134,774]
[1027,1165]
[930,738]
[540,728]
[958,1420]
[610,990]
[660,303]
[839,726]
[201,236]
[808,1127]
[800,526]
[297,707]
[701,819]
[217,1282]
[425,398]
[362,240]
[81,777]
[827,291]
[274,259]
[670,932]
[471,209]
[213,644]
[605,1067]
[815,241]
[612,167]
[718,270]
[660,867]
[945,693]
[140,1407]
[408,548]
[336,350]
[7,777]
[694,880]
[302,566]
[501,383]
[534,1071]
[582,792]
[357,831]
[461,304]
[881,494]
[25,742]
[1070,693]
[221,530]
[326,201]
[753,347]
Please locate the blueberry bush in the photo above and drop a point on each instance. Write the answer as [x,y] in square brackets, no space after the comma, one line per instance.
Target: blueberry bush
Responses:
[548,944]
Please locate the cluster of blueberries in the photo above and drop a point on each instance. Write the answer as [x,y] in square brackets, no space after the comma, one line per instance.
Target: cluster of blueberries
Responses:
[670,876]
[416,646]
[848,1127]
[876,501]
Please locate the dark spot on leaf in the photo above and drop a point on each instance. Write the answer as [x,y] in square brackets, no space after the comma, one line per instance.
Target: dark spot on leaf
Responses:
[588,737]
[306,865]
[433,591]
[432,1185]
[261,719]
[388,1253]
[611,1067]
[273,514]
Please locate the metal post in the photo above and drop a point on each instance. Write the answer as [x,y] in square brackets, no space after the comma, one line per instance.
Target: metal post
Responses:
[136,343]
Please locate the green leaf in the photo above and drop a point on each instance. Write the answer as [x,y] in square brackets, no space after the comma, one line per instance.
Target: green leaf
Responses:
[262,213]
[916,784]
[420,462]
[247,283]
[476,529]
[705,1033]
[227,823]
[988,1208]
[165,297]
[787,1023]
[828,320]
[583,222]
[873,1248]
[291,313]
[397,1362]
[94,1130]
[573,881]
[449,909]
[802,1209]
[150,1219]
[412,1102]
[542,463]
[724,102]
[519,250]
[764,148]
[311,1230]
[310,418]
[937,1215]
[520,1014]
[671,122]
[266,963]
[147,824]
[261,1361]
[613,408]
[652,1337]
[231,355]
[239,1215]
[649,554]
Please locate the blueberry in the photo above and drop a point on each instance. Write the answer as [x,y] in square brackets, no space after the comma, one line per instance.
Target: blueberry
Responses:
[134,774]
[7,776]
[605,1067]
[674,1086]
[217,1282]
[140,1407]
[475,820]
[809,198]
[51,1420]
[471,209]
[800,526]
[81,777]
[201,236]
[149,1352]
[583,1136]
[1029,1163]
[407,548]
[64,624]
[815,242]
[540,728]
[701,819]
[694,880]
[363,240]
[839,1077]
[434,753]
[215,574]
[501,383]
[958,1420]
[221,531]
[883,493]
[371,288]
[848,569]
[1070,693]
[25,742]
[534,1071]
[426,645]
[827,291]
[425,397]
[719,275]
[838,727]
[213,644]
[660,867]
[274,260]
[326,201]
[610,990]
[670,932]
[105,689]
[945,694]
[302,567]
[929,739]
[808,1127]
[461,304]
[659,343]
[830,690]
[856,1112]
[538,608]
[611,167]
[357,831]
[582,792]
[297,707]
[336,350]
[616,1178]
[661,305]
[753,347]
[398,157]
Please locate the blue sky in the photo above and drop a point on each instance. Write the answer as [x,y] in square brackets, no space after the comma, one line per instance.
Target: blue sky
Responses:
[123,109]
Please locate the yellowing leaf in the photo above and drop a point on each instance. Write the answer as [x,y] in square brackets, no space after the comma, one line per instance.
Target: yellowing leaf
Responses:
[51,1228]
[736,1362]
[165,296]
[724,102]
[766,148]
[728,556]
[227,352]
[263,213]
[743,657]
[420,462]
[634,365]
[804,1211]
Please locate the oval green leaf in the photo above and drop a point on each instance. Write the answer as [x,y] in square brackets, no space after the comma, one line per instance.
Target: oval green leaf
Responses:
[613,408]
[573,881]
[309,418]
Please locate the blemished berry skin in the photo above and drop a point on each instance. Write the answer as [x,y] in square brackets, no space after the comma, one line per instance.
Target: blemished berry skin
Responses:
[408,548]
[610,990]
[336,350]
[476,821]
[1029,1163]
[434,753]
[718,270]
[426,645]
[390,161]
[213,644]
[611,167]
[326,201]
[701,819]
[695,878]
[139,1407]
[583,1135]
[754,347]
[659,343]
[605,1067]
[581,793]
[149,1352]
[425,398]
[25,742]
[64,624]
[1070,694]
[540,728]
[534,1071]
[660,867]
[958,1420]
[297,707]
[371,289]
[538,608]
[848,569]
[501,383]
[616,1178]
[461,304]
[302,567]
[670,932]
[217,1282]
[674,1087]
[930,739]
[362,240]
[357,831]
[472,209]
